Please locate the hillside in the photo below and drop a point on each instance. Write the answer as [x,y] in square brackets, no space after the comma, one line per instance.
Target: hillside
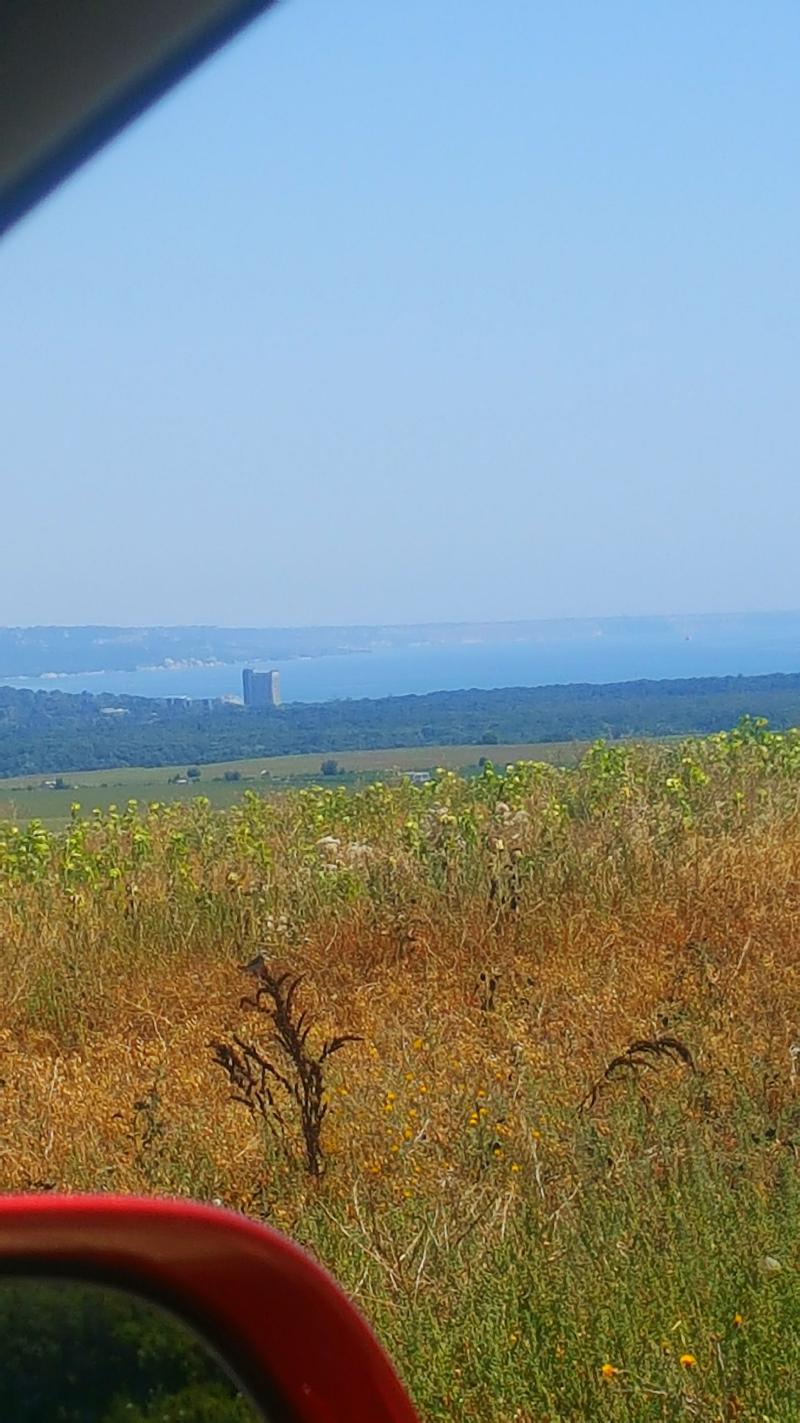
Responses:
[555,1159]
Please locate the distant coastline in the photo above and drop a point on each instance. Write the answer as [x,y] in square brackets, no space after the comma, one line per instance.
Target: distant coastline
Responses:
[54,653]
[413,668]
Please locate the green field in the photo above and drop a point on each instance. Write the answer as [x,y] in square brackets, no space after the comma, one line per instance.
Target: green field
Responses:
[30,798]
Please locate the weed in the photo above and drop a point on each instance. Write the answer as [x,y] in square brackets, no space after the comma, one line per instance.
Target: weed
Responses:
[255,1079]
[644,1055]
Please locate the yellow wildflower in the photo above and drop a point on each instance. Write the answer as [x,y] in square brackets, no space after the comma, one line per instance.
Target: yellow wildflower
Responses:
[609,1372]
[687,1361]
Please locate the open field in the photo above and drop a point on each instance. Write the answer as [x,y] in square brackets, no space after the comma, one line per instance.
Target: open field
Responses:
[557,1164]
[27,798]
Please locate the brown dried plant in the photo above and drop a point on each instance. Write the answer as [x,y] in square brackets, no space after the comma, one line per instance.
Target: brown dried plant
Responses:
[644,1055]
[265,1086]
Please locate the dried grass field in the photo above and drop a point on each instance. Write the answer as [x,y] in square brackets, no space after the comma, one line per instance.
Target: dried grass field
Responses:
[515,1056]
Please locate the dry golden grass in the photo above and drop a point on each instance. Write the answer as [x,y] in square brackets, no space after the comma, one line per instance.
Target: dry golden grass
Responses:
[495,943]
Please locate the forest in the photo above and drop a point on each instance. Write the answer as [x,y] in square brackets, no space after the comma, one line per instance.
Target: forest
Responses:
[51,732]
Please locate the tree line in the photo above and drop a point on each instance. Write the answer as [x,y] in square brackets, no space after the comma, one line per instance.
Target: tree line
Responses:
[49,732]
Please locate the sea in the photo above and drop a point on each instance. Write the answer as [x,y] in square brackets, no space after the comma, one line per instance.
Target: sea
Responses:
[423,668]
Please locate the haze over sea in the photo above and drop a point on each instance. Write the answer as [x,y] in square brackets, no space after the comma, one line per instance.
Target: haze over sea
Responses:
[423,668]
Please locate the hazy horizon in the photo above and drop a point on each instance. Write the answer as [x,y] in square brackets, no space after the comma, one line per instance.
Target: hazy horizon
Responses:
[404,314]
[688,616]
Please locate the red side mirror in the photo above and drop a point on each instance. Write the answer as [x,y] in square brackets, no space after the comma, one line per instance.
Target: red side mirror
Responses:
[276,1321]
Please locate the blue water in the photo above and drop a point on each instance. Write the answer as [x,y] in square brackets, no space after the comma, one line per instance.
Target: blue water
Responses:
[426,669]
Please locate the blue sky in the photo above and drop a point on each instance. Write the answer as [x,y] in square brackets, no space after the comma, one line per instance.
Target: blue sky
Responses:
[420,311]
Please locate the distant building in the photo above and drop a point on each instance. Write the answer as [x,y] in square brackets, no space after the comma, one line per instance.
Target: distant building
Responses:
[261,689]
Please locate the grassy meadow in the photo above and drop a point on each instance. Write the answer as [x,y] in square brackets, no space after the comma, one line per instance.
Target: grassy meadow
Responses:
[545,1121]
[32,798]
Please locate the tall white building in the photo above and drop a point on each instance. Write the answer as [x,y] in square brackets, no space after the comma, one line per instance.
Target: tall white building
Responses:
[261,689]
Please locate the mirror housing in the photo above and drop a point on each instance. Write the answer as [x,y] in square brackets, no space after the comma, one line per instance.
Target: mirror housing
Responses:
[275,1318]
[72,76]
